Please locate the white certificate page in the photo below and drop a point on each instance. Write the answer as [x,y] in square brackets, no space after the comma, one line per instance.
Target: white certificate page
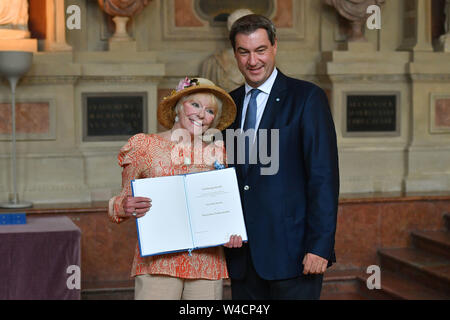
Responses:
[215,207]
[165,228]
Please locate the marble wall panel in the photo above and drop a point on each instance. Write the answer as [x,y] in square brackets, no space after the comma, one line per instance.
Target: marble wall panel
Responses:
[442,113]
[399,219]
[184,15]
[357,236]
[31,117]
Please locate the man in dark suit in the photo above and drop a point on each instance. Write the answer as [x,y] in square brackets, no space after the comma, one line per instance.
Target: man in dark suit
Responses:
[290,212]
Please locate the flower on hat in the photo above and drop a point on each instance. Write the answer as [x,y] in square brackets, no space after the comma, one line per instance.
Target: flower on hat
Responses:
[183,84]
[186,83]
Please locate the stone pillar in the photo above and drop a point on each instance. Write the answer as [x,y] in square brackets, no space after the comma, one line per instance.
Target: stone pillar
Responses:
[428,152]
[378,153]
[56,26]
[417,17]
[424,39]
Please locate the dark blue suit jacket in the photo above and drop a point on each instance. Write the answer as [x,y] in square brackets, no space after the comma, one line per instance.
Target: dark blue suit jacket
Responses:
[294,211]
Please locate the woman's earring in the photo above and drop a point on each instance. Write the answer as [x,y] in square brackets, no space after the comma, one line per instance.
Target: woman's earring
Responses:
[176,119]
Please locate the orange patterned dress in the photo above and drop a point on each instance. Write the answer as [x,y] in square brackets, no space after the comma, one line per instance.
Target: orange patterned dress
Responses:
[150,155]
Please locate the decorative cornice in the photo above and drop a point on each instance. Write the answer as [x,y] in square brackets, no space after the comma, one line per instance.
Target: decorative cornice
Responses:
[121,79]
[72,80]
[377,78]
[52,80]
[429,77]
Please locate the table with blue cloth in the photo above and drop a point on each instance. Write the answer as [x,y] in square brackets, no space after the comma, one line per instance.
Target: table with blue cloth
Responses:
[39,260]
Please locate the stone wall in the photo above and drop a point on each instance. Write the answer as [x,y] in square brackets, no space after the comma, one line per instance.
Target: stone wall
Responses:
[172,39]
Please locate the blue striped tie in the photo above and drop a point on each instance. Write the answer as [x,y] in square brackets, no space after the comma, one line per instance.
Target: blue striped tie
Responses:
[250,123]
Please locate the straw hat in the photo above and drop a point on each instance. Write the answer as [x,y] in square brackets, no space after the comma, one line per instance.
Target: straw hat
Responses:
[166,109]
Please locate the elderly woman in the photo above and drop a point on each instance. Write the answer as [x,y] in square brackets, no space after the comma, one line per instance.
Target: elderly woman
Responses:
[196,106]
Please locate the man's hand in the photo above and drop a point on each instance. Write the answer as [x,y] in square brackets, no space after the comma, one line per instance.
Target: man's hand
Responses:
[314,264]
[235,242]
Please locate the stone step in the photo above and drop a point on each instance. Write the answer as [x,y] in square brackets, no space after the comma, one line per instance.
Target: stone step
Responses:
[430,270]
[343,296]
[107,290]
[112,291]
[437,242]
[342,285]
[397,287]
[108,294]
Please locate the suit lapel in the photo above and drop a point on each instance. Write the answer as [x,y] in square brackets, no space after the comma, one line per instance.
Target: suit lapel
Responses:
[275,102]
[273,106]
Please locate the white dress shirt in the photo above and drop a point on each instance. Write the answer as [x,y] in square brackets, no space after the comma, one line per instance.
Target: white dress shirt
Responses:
[261,99]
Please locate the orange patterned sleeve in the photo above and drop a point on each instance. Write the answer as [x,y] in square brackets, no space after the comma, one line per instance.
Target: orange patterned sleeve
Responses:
[128,159]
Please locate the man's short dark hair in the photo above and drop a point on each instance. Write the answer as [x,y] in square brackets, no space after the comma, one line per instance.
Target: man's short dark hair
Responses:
[249,24]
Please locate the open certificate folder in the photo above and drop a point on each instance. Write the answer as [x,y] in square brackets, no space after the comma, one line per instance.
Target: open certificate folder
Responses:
[189,212]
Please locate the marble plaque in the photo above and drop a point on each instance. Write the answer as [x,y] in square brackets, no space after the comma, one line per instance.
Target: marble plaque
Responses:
[371,114]
[113,116]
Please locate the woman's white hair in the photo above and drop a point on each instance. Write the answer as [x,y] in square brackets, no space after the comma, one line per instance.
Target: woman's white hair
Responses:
[216,100]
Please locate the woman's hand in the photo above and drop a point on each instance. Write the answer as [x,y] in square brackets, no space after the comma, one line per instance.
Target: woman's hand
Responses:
[136,206]
[235,242]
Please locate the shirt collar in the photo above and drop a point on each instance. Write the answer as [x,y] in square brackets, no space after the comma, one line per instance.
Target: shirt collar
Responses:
[266,87]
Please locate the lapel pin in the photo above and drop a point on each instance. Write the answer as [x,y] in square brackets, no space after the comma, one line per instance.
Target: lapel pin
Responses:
[277,99]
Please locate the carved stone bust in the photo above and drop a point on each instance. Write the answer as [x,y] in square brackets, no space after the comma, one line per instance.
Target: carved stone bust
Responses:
[121,11]
[123,8]
[14,19]
[221,67]
[355,11]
